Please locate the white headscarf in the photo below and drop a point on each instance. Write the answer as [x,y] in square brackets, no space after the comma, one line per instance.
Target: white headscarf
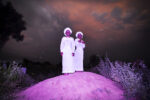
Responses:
[79,33]
[67,28]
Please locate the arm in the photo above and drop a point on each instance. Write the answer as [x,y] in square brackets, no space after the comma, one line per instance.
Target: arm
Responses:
[73,46]
[83,44]
[76,41]
[62,45]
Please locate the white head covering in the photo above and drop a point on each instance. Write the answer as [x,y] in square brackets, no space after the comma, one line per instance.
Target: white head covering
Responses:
[67,28]
[79,33]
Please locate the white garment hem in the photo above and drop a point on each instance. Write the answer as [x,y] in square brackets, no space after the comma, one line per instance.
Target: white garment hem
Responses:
[68,72]
[78,70]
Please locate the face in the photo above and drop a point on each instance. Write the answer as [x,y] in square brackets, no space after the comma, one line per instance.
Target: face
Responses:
[79,36]
[68,33]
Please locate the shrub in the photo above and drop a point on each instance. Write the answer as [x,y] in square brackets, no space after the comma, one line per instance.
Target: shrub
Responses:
[13,77]
[129,75]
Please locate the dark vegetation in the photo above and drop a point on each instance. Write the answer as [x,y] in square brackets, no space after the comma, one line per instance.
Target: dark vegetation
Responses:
[133,77]
[11,24]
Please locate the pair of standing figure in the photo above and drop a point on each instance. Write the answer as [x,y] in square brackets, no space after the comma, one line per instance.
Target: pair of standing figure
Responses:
[72,59]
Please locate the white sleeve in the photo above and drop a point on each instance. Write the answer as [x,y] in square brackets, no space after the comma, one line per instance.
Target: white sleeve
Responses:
[76,41]
[83,45]
[73,45]
[62,44]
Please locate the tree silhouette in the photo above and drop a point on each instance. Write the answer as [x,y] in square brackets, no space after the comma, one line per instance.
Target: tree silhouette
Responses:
[11,24]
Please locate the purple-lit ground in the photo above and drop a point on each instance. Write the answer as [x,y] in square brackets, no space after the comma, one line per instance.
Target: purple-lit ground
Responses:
[76,86]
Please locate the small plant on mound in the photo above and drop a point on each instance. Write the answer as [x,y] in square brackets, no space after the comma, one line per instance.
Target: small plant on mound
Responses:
[130,75]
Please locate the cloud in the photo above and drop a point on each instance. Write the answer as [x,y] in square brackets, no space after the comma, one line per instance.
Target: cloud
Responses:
[118,26]
[100,20]
[116,13]
[101,17]
[89,1]
[130,17]
[44,30]
[110,1]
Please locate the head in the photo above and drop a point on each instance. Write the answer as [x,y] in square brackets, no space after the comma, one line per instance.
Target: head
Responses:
[79,35]
[67,31]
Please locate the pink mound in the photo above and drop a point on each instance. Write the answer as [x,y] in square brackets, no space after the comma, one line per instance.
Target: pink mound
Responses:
[76,86]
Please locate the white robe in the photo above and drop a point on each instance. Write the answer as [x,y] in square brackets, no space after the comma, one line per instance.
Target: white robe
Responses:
[67,46]
[79,53]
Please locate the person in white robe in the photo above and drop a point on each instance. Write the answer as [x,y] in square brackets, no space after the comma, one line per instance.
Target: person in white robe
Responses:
[67,48]
[79,52]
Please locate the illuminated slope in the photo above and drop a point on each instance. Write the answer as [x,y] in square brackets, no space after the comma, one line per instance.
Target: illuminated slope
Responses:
[77,86]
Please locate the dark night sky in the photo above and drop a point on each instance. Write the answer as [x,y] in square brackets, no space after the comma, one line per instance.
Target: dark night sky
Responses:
[119,27]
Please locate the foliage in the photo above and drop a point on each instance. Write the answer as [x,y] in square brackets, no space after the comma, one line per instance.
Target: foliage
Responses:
[11,23]
[132,76]
[12,78]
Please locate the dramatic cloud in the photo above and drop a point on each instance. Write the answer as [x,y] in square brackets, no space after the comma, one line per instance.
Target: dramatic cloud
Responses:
[116,13]
[101,17]
[113,26]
